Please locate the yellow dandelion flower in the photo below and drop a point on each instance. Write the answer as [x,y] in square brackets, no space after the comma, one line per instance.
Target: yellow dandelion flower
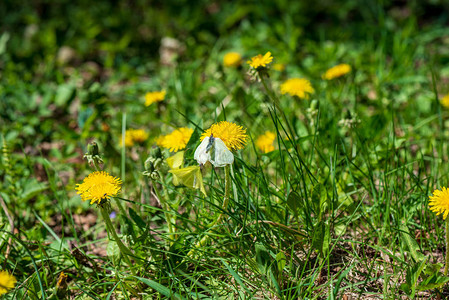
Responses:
[445,101]
[139,135]
[98,186]
[337,71]
[279,67]
[7,282]
[265,141]
[177,140]
[160,140]
[300,87]
[439,202]
[152,97]
[134,136]
[233,135]
[260,61]
[129,142]
[232,59]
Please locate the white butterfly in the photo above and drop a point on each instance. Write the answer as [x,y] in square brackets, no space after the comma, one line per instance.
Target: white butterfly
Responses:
[214,150]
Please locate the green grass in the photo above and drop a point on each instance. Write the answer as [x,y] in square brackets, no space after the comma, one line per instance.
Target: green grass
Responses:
[334,211]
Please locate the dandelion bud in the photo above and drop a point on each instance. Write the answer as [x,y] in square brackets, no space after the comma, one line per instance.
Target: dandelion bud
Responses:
[153,175]
[149,165]
[156,152]
[155,163]
[93,154]
[92,149]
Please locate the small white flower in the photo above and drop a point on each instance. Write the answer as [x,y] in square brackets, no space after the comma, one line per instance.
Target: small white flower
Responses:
[215,151]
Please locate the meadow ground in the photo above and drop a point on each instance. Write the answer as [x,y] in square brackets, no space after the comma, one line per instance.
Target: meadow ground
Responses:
[224,150]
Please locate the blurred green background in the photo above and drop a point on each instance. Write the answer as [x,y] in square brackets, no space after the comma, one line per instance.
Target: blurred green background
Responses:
[111,33]
[45,44]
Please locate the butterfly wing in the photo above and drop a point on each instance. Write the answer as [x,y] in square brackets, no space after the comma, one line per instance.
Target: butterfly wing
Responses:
[201,154]
[222,155]
[176,161]
[190,177]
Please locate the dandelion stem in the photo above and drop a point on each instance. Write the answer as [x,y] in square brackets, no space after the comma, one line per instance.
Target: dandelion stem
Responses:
[223,210]
[447,247]
[123,249]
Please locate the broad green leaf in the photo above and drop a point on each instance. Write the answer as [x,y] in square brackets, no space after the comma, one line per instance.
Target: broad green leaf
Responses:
[33,188]
[343,199]
[413,274]
[263,258]
[318,236]
[281,261]
[411,243]
[431,269]
[113,252]
[339,229]
[405,288]
[433,282]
